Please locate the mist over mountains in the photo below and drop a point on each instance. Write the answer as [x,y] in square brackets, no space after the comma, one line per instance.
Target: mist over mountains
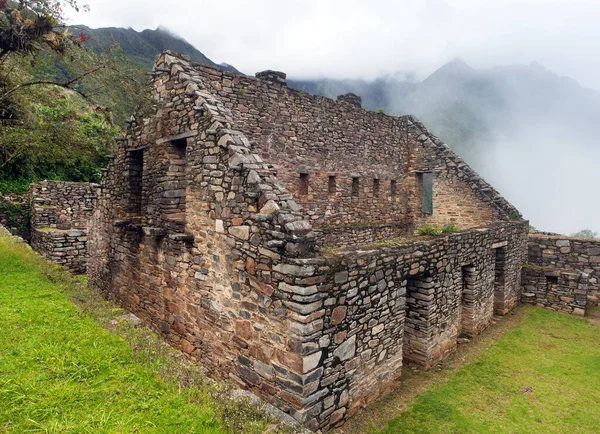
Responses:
[531,133]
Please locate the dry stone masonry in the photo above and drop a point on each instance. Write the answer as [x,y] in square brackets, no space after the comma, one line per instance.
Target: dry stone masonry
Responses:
[269,234]
[60,214]
[562,273]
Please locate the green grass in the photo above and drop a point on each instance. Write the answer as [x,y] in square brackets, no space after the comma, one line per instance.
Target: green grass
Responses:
[62,372]
[556,355]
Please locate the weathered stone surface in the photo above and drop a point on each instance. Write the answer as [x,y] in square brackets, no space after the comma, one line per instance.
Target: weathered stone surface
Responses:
[346,350]
[242,232]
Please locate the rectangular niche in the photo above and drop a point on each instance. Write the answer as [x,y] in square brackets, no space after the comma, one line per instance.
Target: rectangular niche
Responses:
[467,300]
[499,277]
[173,202]
[376,187]
[135,170]
[355,186]
[303,185]
[331,185]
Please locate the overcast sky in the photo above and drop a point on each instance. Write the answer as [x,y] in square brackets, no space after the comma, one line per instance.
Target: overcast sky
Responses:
[352,38]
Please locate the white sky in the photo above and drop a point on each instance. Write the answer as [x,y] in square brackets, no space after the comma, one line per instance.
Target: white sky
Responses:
[354,38]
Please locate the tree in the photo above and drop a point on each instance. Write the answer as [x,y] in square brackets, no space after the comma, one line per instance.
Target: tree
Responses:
[585,233]
[38,49]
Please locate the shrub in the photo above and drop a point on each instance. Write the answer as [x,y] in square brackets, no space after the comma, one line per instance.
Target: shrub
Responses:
[450,228]
[429,230]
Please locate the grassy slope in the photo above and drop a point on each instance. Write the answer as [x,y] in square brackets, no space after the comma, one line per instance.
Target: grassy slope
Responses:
[61,372]
[557,355]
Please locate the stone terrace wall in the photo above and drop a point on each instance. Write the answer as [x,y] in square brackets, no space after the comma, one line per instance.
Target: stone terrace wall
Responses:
[62,205]
[311,139]
[563,254]
[560,290]
[60,215]
[408,304]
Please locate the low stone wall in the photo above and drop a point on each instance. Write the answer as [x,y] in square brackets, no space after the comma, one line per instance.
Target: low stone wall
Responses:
[409,303]
[560,290]
[568,254]
[59,220]
[15,212]
[65,247]
[349,236]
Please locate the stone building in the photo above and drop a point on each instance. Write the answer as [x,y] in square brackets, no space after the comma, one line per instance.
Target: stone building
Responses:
[270,235]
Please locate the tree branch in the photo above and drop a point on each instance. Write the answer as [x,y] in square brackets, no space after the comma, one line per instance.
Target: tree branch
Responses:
[66,84]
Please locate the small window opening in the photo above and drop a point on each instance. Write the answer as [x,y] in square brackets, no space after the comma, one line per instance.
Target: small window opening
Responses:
[331,187]
[355,186]
[425,181]
[303,187]
[376,187]
[393,187]
[135,184]
[552,280]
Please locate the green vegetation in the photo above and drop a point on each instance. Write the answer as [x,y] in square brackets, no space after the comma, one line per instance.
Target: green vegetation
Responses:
[61,371]
[514,216]
[429,230]
[380,111]
[61,103]
[450,228]
[541,377]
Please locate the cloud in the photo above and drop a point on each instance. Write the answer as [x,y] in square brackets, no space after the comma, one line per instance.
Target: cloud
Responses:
[356,38]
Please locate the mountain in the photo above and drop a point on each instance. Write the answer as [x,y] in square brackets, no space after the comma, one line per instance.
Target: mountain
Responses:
[142,47]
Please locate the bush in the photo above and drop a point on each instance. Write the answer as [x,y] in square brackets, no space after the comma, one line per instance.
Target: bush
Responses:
[450,228]
[429,230]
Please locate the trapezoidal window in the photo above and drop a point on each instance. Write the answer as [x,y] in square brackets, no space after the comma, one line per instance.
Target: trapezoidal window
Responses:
[303,185]
[425,183]
[135,171]
[355,186]
[173,202]
[331,186]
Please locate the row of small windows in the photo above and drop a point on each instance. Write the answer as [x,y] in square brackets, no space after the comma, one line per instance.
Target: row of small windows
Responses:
[332,186]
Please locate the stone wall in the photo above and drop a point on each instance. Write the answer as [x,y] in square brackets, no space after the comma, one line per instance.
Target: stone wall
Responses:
[350,166]
[561,271]
[60,214]
[560,290]
[356,235]
[228,285]
[198,234]
[408,304]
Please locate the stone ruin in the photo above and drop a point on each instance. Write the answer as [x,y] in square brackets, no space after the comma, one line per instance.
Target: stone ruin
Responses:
[269,234]
[60,213]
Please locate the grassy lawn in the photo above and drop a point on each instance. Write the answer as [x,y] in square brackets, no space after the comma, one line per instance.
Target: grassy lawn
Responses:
[62,372]
[543,376]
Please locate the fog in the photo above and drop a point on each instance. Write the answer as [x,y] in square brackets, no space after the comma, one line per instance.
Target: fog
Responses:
[526,128]
[553,183]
